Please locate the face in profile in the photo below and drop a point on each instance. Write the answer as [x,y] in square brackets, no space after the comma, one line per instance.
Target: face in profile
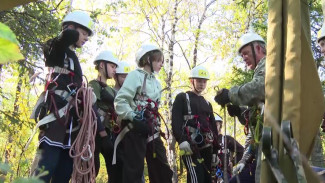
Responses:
[158,64]
[247,55]
[83,37]
[111,69]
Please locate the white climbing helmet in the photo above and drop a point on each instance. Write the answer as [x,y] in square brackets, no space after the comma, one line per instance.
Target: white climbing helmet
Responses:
[199,72]
[107,56]
[247,38]
[143,50]
[81,18]
[123,68]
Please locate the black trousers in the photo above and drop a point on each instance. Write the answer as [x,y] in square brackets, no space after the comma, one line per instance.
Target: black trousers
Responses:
[199,172]
[114,172]
[57,162]
[135,149]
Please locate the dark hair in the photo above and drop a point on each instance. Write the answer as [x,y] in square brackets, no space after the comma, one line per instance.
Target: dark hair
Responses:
[152,55]
[97,65]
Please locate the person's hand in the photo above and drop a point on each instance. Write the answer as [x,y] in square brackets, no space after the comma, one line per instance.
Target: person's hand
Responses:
[238,168]
[141,126]
[186,148]
[215,160]
[222,97]
[233,110]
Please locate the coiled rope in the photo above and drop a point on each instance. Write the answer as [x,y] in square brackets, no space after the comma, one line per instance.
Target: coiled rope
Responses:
[83,147]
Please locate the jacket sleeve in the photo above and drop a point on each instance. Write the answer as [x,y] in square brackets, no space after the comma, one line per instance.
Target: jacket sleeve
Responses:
[249,149]
[178,118]
[252,92]
[54,50]
[126,95]
[231,144]
[96,88]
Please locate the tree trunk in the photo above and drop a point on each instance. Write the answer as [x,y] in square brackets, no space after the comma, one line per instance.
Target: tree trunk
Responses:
[172,155]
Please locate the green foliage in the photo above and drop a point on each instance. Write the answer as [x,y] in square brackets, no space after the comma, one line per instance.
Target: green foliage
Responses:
[9,48]
[33,24]
[28,180]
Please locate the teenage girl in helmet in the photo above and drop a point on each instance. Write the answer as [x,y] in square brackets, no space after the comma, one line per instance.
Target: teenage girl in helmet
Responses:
[57,135]
[137,105]
[120,75]
[194,127]
[106,64]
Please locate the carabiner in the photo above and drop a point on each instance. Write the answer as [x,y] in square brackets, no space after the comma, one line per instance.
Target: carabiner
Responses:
[90,154]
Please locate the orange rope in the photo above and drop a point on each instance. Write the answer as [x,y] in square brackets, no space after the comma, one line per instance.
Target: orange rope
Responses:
[82,149]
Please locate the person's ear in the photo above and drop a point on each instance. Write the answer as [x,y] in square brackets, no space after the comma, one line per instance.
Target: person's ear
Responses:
[148,61]
[101,65]
[258,48]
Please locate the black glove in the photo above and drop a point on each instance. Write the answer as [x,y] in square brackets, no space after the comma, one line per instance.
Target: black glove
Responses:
[222,97]
[141,127]
[68,37]
[233,110]
[106,97]
[107,145]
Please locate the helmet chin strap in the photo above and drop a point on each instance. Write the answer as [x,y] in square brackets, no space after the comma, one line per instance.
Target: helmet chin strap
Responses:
[254,54]
[106,72]
[195,87]
[151,67]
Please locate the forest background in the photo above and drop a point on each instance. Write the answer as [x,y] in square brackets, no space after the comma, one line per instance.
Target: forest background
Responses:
[190,32]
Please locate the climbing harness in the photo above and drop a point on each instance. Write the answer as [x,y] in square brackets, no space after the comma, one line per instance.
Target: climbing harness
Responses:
[146,111]
[195,135]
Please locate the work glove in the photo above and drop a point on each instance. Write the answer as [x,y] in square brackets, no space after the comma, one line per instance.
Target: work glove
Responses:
[141,127]
[222,97]
[233,110]
[215,160]
[185,148]
[69,36]
[106,97]
[238,168]
[107,145]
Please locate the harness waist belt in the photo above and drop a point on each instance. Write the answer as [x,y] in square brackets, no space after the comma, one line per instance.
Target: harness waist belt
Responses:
[60,70]
[154,136]
[64,94]
[188,117]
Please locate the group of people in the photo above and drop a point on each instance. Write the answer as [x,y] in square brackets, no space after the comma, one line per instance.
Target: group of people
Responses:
[128,119]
